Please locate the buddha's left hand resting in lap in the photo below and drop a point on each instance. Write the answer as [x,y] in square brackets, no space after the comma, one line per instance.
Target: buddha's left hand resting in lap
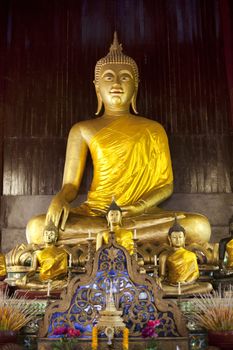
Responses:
[131,161]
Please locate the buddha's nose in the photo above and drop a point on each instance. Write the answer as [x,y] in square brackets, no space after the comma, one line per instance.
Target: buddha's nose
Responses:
[117,80]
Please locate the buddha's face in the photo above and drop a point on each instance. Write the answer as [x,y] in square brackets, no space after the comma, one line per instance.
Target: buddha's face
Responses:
[50,236]
[177,239]
[114,217]
[116,85]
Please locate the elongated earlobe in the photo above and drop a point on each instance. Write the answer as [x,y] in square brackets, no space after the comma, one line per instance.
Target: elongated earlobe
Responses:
[99,99]
[100,104]
[169,240]
[133,101]
[107,220]
[120,221]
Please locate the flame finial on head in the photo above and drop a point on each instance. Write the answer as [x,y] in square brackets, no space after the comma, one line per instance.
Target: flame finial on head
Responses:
[115,46]
[176,227]
[114,206]
[116,56]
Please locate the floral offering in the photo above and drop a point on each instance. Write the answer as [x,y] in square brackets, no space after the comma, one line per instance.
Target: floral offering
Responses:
[150,332]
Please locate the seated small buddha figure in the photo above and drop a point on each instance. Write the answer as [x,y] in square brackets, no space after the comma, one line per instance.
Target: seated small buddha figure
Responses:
[178,268]
[131,160]
[50,262]
[123,237]
[3,271]
[226,246]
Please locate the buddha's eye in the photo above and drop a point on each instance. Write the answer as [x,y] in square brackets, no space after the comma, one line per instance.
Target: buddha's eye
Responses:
[108,77]
[125,77]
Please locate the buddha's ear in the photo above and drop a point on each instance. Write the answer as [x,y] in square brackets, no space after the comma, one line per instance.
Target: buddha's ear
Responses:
[107,220]
[134,100]
[169,240]
[120,223]
[99,98]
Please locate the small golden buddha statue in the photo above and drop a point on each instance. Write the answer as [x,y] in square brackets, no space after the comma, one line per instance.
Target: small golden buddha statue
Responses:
[3,271]
[123,237]
[178,268]
[131,159]
[51,262]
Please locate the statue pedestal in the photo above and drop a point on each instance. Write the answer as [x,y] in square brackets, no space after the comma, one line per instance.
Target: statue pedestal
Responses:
[134,344]
[38,295]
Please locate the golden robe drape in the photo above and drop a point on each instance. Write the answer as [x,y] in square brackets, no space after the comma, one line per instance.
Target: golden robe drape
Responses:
[2,265]
[123,237]
[182,266]
[53,263]
[131,158]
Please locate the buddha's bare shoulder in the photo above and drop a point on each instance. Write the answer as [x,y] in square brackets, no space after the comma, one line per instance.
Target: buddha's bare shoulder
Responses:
[90,127]
[85,126]
[150,122]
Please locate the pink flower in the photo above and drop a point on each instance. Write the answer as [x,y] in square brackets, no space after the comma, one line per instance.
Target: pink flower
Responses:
[153,323]
[73,332]
[60,330]
[67,332]
[149,330]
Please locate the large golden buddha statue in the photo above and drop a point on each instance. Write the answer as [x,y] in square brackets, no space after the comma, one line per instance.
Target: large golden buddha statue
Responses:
[131,161]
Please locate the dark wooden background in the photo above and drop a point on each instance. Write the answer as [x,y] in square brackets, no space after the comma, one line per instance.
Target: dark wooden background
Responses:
[48,50]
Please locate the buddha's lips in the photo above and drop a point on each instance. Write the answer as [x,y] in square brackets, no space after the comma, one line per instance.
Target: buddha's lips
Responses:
[116,91]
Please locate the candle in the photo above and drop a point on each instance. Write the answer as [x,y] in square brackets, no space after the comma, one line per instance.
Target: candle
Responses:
[49,288]
[70,260]
[135,234]
[179,289]
[125,338]
[94,344]
[155,260]
[89,234]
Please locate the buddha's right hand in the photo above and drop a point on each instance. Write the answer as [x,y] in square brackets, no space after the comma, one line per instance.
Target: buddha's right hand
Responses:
[135,209]
[58,211]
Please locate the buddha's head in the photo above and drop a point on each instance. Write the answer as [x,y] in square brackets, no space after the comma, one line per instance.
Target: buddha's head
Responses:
[50,233]
[114,214]
[176,235]
[116,80]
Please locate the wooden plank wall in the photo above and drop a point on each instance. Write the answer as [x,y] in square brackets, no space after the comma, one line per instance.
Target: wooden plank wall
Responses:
[49,50]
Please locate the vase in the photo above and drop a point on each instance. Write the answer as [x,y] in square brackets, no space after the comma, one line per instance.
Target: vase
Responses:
[8,337]
[221,339]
